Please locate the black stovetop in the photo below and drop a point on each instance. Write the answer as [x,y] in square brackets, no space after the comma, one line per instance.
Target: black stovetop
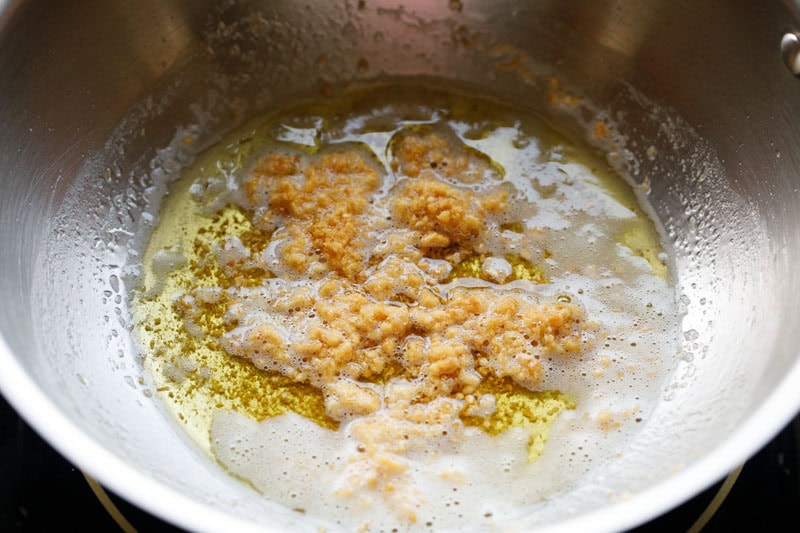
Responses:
[41,491]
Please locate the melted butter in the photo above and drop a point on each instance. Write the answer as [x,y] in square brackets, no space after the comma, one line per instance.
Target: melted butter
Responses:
[516,227]
[521,269]
[197,379]
[194,375]
[642,241]
[517,406]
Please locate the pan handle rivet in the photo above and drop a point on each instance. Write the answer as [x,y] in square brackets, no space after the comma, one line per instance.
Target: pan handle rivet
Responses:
[790,51]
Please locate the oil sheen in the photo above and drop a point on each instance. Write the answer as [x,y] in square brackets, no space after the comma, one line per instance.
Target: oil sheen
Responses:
[406,308]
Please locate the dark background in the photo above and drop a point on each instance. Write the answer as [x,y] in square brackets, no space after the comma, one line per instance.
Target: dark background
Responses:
[41,491]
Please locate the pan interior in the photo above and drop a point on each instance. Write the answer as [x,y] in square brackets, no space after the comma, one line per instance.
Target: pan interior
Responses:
[729,215]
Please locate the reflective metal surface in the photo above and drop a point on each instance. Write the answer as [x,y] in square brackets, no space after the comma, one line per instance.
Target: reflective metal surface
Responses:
[92,96]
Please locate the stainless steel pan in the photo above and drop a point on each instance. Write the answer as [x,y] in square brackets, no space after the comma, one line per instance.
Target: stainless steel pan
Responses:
[93,94]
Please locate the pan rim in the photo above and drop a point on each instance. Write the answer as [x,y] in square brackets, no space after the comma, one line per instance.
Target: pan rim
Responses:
[63,434]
